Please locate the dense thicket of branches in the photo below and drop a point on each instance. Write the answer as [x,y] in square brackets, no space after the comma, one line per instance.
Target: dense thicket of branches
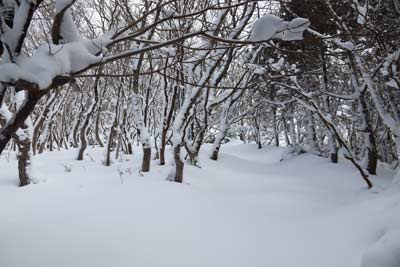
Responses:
[184,73]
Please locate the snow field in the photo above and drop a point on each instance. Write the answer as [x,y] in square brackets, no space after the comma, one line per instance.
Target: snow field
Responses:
[248,209]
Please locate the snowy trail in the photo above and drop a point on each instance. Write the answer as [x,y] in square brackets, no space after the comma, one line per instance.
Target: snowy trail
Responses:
[248,209]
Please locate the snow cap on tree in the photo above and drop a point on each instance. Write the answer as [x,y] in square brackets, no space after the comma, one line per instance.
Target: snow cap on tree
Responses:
[270,26]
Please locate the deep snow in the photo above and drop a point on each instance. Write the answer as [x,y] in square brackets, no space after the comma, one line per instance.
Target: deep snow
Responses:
[247,209]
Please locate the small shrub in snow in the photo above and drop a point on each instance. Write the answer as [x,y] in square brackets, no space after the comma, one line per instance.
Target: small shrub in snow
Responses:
[67,168]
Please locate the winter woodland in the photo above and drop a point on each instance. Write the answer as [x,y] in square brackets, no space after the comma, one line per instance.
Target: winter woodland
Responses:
[269,118]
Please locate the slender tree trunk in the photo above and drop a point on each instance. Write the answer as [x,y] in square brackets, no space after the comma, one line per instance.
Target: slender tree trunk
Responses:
[162,146]
[292,131]
[178,164]
[310,133]
[285,130]
[275,126]
[83,132]
[97,129]
[107,161]
[369,143]
[397,142]
[217,143]
[113,131]
[333,149]
[38,126]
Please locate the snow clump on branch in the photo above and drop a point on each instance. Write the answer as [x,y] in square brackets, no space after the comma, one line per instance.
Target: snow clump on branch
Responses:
[273,27]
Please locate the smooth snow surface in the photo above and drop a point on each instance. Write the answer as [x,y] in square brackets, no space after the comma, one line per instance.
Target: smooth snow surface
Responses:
[248,209]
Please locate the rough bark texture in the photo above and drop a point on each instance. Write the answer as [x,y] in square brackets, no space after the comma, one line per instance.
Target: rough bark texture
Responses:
[178,164]
[24,161]
[146,159]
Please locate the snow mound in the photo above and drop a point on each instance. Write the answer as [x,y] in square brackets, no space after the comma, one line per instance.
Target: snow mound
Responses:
[292,151]
[385,252]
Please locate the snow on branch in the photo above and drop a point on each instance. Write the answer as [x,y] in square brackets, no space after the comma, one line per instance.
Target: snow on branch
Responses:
[64,29]
[273,27]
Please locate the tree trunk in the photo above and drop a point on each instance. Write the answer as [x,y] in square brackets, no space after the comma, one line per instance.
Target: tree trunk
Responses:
[24,161]
[217,144]
[275,126]
[107,162]
[214,154]
[335,157]
[83,132]
[38,126]
[333,149]
[146,159]
[83,144]
[25,110]
[178,164]
[162,146]
[369,143]
[310,133]
[97,130]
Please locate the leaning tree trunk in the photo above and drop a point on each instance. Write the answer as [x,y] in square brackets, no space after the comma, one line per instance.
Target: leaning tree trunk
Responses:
[217,145]
[23,138]
[223,127]
[86,120]
[38,125]
[83,132]
[9,129]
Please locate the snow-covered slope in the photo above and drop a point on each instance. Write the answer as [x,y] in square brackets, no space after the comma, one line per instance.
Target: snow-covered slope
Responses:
[248,209]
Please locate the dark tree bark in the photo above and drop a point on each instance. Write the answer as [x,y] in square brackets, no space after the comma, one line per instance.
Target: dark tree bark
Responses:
[214,155]
[24,147]
[146,159]
[178,164]
[86,120]
[8,130]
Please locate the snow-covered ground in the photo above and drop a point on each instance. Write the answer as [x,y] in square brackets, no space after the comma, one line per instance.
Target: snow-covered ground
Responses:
[248,209]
